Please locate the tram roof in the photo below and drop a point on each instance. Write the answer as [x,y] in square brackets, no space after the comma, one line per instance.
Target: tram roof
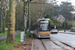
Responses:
[43,19]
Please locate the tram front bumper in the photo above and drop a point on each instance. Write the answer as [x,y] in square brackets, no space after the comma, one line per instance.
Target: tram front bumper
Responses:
[43,36]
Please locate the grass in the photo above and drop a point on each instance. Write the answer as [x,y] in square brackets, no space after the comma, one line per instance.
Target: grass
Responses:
[9,46]
[72,22]
[5,33]
[27,36]
[1,34]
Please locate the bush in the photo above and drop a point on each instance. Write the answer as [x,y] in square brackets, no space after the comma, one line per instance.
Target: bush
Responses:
[65,24]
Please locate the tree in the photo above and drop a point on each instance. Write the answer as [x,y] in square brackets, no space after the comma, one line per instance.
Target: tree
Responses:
[65,10]
[0,20]
[56,10]
[48,9]
[65,24]
[52,20]
[19,14]
[39,9]
[25,13]
[11,22]
[4,9]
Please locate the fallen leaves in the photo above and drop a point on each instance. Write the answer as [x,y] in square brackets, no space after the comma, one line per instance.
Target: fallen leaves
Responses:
[26,46]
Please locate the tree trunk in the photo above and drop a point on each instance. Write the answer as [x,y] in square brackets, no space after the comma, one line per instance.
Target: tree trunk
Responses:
[26,13]
[25,9]
[11,22]
[0,20]
[22,26]
[3,20]
[1,16]
[16,22]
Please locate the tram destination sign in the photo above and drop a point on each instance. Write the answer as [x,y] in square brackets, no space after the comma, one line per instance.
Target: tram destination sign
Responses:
[43,21]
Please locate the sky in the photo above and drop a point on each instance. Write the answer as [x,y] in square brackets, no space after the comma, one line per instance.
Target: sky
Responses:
[72,1]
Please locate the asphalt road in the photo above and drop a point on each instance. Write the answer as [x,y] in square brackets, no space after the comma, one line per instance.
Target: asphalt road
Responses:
[4,37]
[65,38]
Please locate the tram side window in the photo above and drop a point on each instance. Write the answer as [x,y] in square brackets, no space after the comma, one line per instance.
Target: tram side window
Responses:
[48,26]
[38,25]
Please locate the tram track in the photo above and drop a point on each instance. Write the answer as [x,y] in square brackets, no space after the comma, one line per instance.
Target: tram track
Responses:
[43,45]
[51,44]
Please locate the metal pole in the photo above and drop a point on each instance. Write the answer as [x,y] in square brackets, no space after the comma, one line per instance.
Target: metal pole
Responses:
[29,16]
[64,26]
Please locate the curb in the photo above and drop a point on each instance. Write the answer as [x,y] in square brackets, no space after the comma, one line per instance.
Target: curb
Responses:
[32,45]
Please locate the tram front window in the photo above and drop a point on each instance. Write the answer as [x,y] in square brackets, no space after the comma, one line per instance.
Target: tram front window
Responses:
[44,27]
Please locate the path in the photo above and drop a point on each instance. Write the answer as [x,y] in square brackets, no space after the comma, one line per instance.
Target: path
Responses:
[4,37]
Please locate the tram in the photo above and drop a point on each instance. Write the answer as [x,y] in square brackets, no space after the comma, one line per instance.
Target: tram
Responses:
[43,28]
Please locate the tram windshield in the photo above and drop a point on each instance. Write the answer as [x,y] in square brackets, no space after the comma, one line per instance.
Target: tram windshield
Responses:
[44,26]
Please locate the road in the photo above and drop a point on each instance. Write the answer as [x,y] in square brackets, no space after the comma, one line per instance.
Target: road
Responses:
[66,38]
